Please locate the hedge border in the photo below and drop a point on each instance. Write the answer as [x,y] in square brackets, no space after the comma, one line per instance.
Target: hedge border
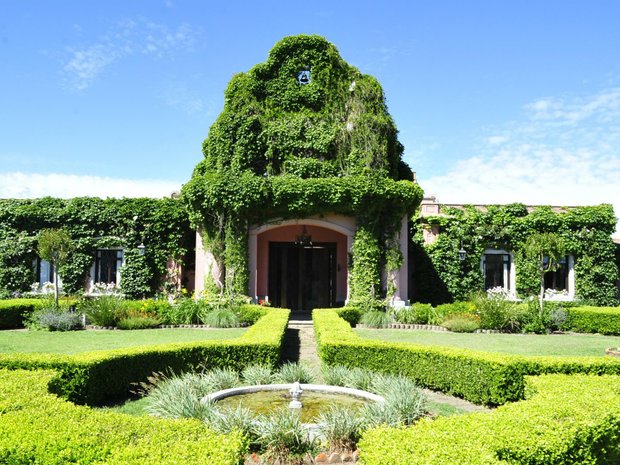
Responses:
[38,427]
[602,320]
[480,377]
[97,377]
[565,420]
[13,312]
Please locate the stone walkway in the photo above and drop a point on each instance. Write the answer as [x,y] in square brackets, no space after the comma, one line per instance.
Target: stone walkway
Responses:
[300,345]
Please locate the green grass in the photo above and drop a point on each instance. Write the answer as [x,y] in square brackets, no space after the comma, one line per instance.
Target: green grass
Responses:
[518,344]
[73,342]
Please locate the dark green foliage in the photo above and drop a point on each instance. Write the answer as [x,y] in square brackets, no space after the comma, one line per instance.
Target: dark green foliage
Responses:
[14,312]
[93,223]
[566,420]
[416,314]
[479,377]
[38,427]
[280,149]
[351,315]
[439,276]
[97,377]
[594,320]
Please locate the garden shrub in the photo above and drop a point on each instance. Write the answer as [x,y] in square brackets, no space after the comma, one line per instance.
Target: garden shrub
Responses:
[603,320]
[38,427]
[441,312]
[250,314]
[221,318]
[14,312]
[96,377]
[54,319]
[105,310]
[376,319]
[496,312]
[480,377]
[138,322]
[565,420]
[351,315]
[462,323]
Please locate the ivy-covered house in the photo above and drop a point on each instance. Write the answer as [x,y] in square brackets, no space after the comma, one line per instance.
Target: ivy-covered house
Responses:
[459,249]
[140,245]
[302,197]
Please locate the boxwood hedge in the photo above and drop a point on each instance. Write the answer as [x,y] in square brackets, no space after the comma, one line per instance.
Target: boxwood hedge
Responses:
[14,311]
[565,420]
[39,428]
[603,320]
[480,377]
[96,377]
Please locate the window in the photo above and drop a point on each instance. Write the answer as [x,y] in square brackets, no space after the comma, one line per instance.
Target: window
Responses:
[558,279]
[44,272]
[560,284]
[497,268]
[107,266]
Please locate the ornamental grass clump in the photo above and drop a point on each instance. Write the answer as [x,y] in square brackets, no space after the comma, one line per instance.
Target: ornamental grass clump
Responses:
[335,375]
[257,374]
[221,318]
[105,310]
[283,436]
[292,372]
[376,319]
[358,378]
[341,427]
[180,397]
[221,378]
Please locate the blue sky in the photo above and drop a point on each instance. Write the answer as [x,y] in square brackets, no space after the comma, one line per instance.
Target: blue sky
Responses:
[496,101]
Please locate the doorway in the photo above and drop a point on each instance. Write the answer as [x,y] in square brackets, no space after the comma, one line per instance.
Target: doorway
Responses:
[302,277]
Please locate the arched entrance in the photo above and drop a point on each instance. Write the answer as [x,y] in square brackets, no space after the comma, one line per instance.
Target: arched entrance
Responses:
[301,265]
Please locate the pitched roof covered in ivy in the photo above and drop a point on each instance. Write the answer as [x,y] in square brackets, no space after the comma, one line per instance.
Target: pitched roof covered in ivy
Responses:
[305,112]
[302,133]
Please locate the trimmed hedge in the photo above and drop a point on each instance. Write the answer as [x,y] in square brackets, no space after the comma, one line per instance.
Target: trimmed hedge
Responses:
[13,312]
[96,377]
[566,420]
[38,427]
[480,377]
[603,320]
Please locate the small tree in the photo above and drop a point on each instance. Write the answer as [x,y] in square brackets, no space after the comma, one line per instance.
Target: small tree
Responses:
[55,245]
[545,250]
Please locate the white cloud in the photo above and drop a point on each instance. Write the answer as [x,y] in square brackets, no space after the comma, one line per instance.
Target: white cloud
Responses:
[30,185]
[127,38]
[180,97]
[566,152]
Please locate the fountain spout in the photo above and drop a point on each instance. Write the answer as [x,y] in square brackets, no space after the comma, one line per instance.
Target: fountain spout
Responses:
[296,391]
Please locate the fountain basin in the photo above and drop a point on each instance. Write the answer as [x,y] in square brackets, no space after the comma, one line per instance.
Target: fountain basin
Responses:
[316,398]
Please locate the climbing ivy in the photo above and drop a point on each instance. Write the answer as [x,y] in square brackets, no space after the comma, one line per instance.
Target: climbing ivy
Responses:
[93,224]
[439,276]
[281,149]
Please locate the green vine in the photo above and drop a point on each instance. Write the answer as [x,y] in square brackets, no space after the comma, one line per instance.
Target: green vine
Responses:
[283,150]
[439,276]
[93,224]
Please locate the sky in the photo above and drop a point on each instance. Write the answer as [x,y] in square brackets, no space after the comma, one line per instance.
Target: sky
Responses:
[495,101]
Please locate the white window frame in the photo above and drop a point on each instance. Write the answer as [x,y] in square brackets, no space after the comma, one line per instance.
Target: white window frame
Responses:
[92,273]
[570,292]
[510,272]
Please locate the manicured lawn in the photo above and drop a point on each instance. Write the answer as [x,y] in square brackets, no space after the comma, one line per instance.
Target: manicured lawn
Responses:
[72,342]
[522,344]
